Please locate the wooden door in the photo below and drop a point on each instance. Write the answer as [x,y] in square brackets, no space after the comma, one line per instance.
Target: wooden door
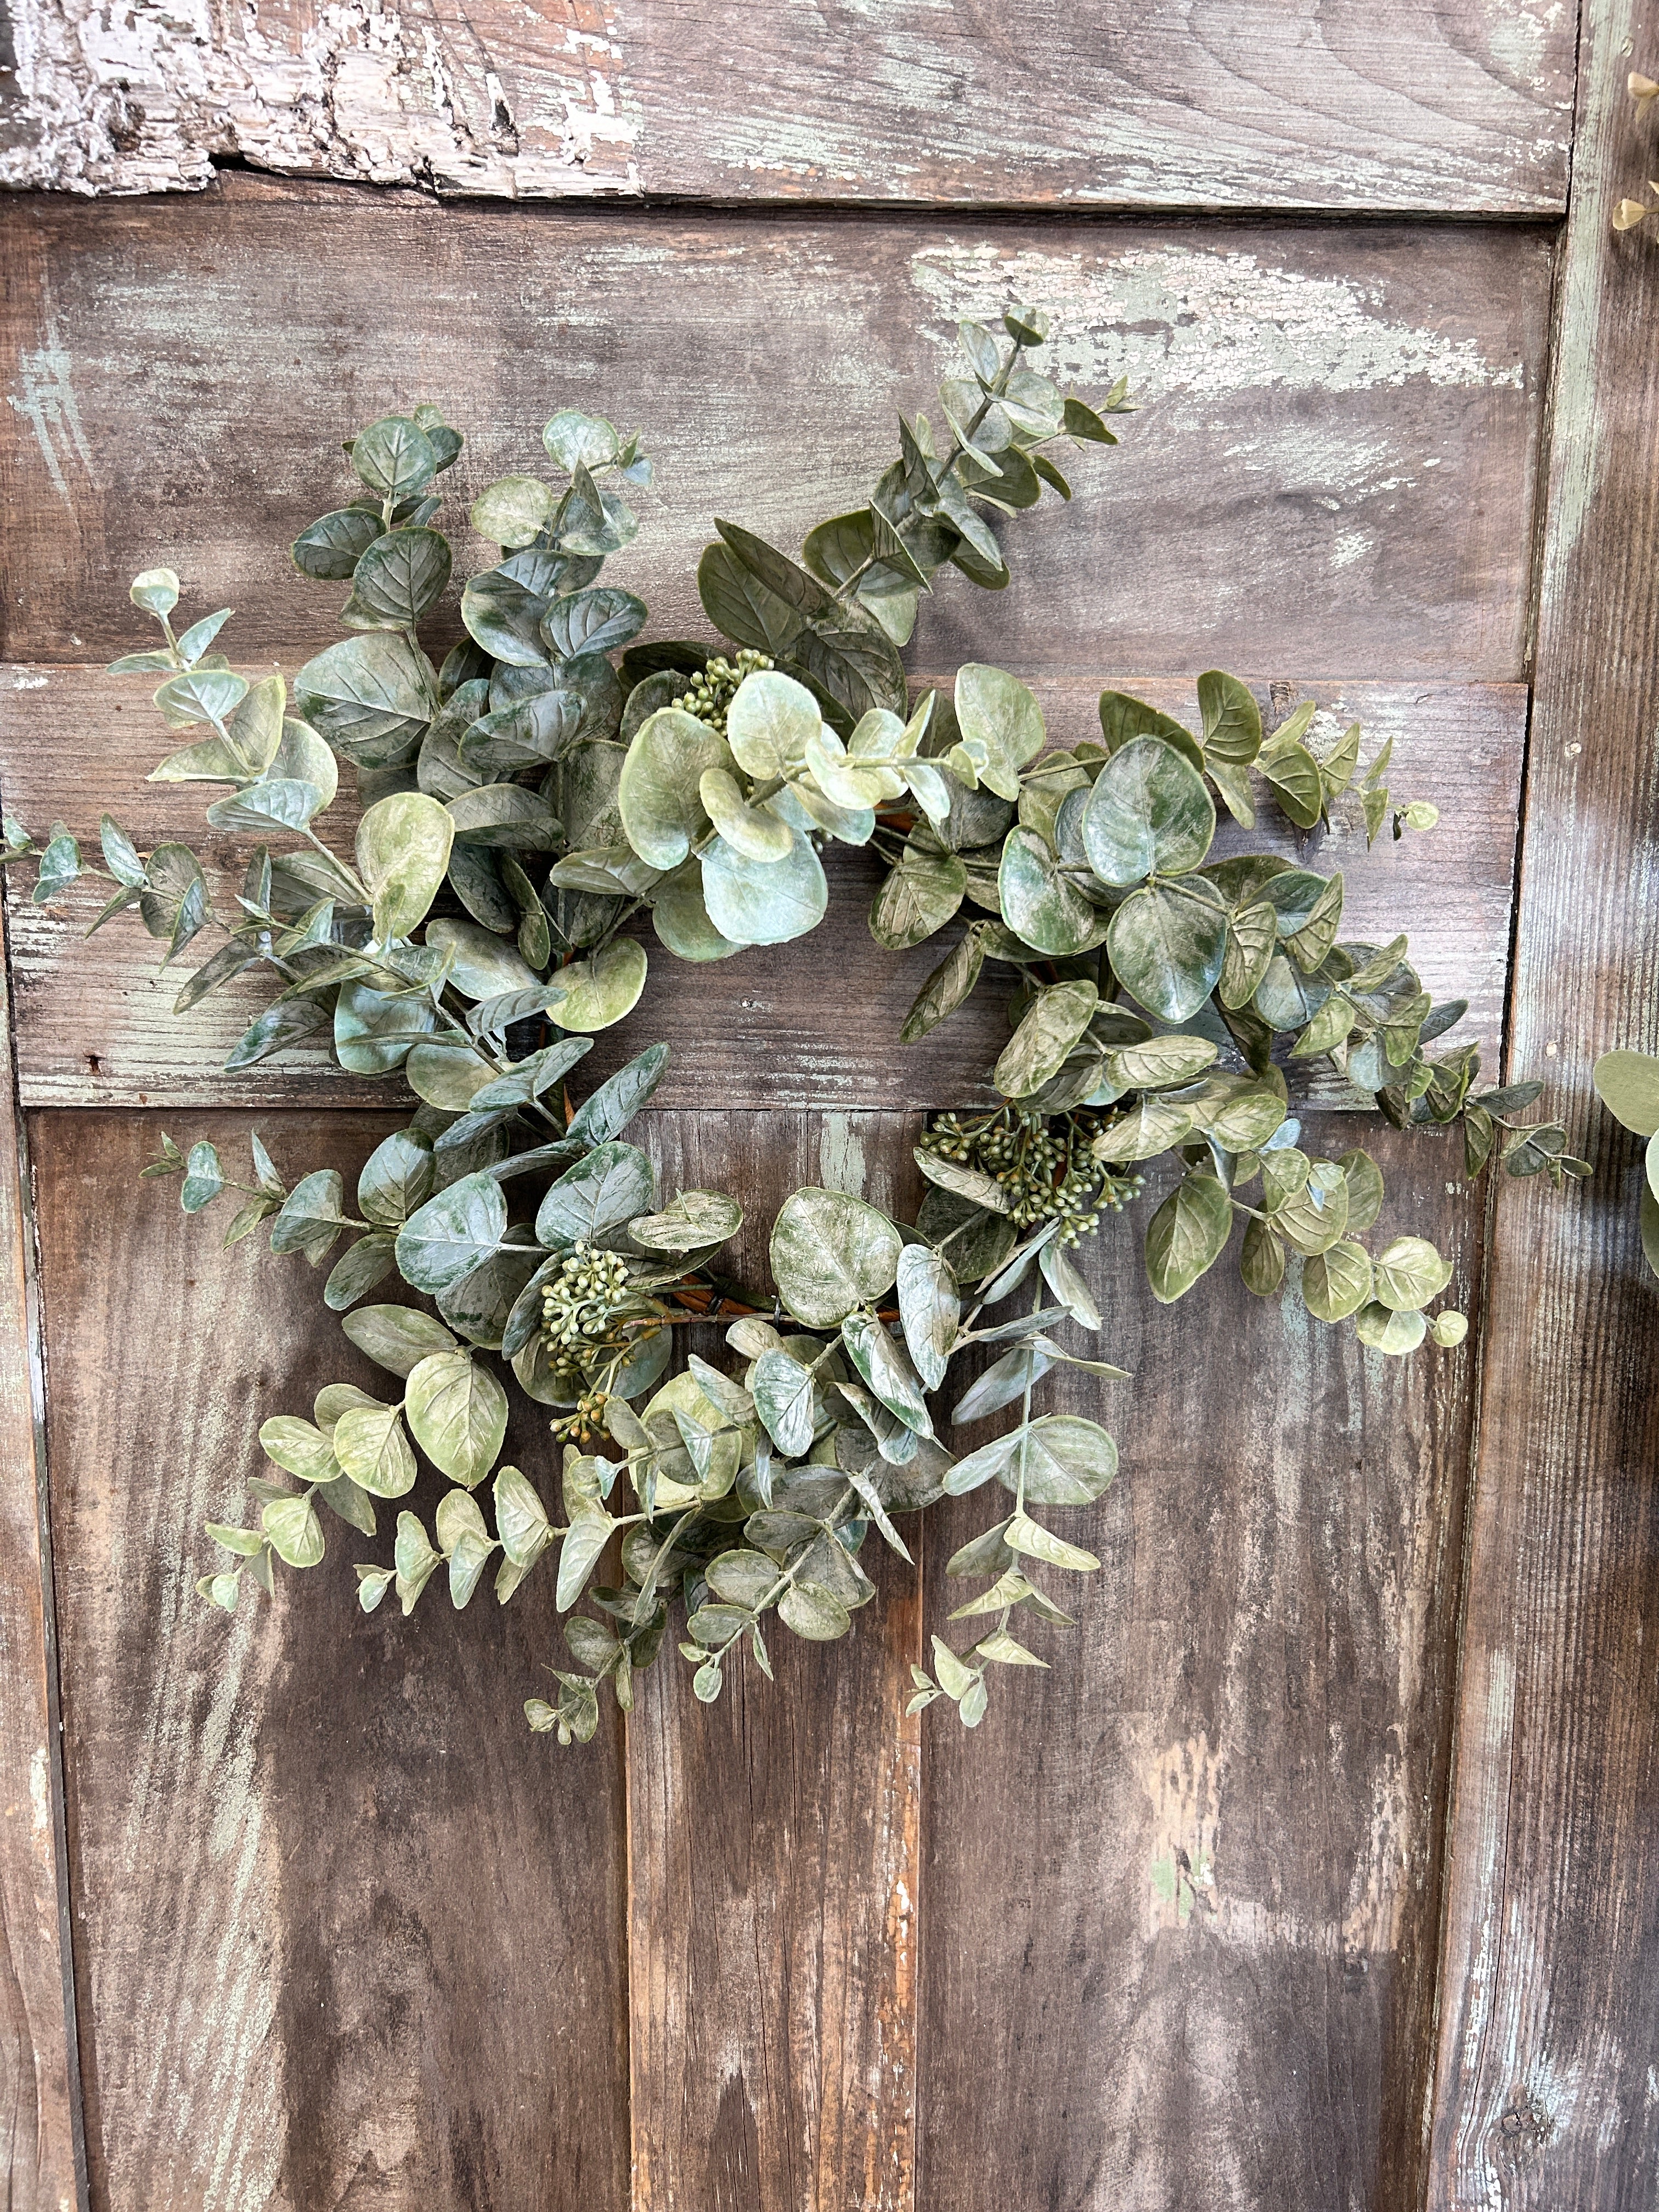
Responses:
[1320,1871]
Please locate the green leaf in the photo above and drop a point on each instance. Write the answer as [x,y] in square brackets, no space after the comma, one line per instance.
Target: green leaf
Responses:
[370,696]
[398,579]
[1167,945]
[203,1178]
[1395,1333]
[521,1520]
[1033,1541]
[696,1220]
[783,1394]
[175,903]
[659,794]
[1148,813]
[587,1536]
[1232,719]
[402,852]
[1261,1260]
[1160,1063]
[465,1541]
[930,1309]
[1627,1084]
[295,1532]
[886,1371]
[512,511]
[394,457]
[372,1448]
[1187,1235]
[1337,1282]
[329,549]
[1001,725]
[595,621]
[604,990]
[813,1614]
[1365,1192]
[1040,904]
[831,1253]
[396,1178]
[357,1271]
[374,1031]
[311,1216]
[416,1561]
[1068,1461]
[769,723]
[599,1195]
[443,1240]
[1409,1273]
[457,1412]
[155,591]
[918,897]
[1053,1023]
[756,902]
[949,986]
[298,1448]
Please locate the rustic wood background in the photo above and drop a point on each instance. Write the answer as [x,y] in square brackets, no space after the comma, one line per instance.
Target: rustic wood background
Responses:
[294,1913]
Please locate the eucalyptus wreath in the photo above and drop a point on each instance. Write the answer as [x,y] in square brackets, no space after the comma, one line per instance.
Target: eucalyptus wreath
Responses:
[554,779]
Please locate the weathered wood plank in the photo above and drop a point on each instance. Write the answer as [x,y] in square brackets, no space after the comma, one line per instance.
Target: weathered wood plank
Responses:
[813,1024]
[346,1931]
[1179,1900]
[775,1839]
[1433,107]
[1546,2094]
[1332,474]
[39,2084]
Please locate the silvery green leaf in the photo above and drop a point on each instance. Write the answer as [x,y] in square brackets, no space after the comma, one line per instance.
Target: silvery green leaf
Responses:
[743,1578]
[245,1542]
[986,1554]
[203,1178]
[396,579]
[868,1490]
[173,904]
[372,1448]
[329,549]
[763,903]
[395,1178]
[1187,1235]
[448,1077]
[357,1271]
[604,990]
[1365,1191]
[274,1029]
[373,1583]
[895,1440]
[1001,725]
[886,1369]
[1040,904]
[1167,945]
[403,851]
[1627,1084]
[512,511]
[394,457]
[482,967]
[521,1520]
[1394,1333]
[831,1253]
[1033,1541]
[783,1395]
[370,696]
[813,1612]
[1409,1272]
[1067,1461]
[298,1449]
[1161,1063]
[503,815]
[1313,1218]
[373,1032]
[1000,1385]
[976,1242]
[695,1221]
[1052,1024]
[465,1541]
[205,695]
[754,832]
[608,1111]
[1336,1283]
[416,1561]
[155,591]
[120,854]
[918,897]
[1066,1281]
[946,988]
[587,1536]
[594,621]
[311,1216]
[597,1197]
[453,1233]
[1149,813]
[768,724]
[659,792]
[295,1532]
[457,1412]
[930,1309]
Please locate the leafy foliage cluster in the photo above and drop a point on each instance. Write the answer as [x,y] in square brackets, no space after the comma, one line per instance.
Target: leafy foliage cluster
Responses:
[553,779]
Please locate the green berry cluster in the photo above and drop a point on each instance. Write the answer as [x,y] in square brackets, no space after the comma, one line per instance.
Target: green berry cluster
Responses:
[580,1303]
[1045,1167]
[709,695]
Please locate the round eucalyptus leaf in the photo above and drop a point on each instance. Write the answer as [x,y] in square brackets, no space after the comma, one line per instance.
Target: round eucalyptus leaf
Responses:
[1053,1023]
[598,620]
[397,1338]
[605,1191]
[1409,1273]
[371,697]
[1187,1235]
[742,1577]
[1068,1461]
[977,1244]
[298,1448]
[694,1220]
[301,756]
[447,1076]
[503,814]
[452,1233]
[1627,1084]
[1261,1260]
[1039,904]
[755,903]
[658,793]
[831,1254]
[479,1304]
[475,881]
[329,549]
[813,1614]
[755,832]
[457,1413]
[295,1531]
[769,723]
[1001,725]
[513,510]
[483,967]
[373,1032]
[785,1400]
[403,850]
[1166,945]
[681,920]
[1395,1333]
[603,990]
[371,1446]
[399,577]
[1316,1215]
[1338,1282]
[917,898]
[1449,1328]
[394,457]
[357,1271]
[1160,1063]
[1365,1190]
[1149,813]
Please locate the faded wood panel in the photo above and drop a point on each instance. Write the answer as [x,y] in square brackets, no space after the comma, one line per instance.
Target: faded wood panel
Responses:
[1546,2092]
[776,1839]
[1180,1895]
[38,2085]
[1333,473]
[810,1024]
[1463,106]
[346,1932]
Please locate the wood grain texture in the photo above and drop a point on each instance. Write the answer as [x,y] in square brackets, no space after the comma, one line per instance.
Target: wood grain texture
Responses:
[775,1839]
[1547,2093]
[814,1023]
[347,1933]
[39,2087]
[1431,108]
[1185,1885]
[1332,476]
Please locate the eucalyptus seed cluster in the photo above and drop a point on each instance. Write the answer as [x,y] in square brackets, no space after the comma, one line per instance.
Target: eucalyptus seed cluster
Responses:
[580,1303]
[708,695]
[1045,1168]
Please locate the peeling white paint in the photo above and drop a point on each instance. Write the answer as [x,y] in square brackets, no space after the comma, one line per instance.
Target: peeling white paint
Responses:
[141,98]
[45,397]
[1208,322]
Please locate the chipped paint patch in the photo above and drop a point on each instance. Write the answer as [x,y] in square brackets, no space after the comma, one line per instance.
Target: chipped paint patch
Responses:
[1182,319]
[44,398]
[1183,1783]
[840,1155]
[143,98]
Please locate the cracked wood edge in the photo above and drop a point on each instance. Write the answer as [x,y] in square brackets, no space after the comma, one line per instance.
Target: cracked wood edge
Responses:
[1459,106]
[42,2162]
[1545,2091]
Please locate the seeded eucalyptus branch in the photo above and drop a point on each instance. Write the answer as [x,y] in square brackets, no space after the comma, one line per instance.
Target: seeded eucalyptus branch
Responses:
[554,780]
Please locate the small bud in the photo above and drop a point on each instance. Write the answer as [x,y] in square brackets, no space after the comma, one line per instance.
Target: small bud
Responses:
[1642,88]
[1628,214]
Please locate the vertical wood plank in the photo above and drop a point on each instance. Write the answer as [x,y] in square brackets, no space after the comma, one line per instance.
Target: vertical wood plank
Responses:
[347,1934]
[775,1839]
[38,2120]
[1179,1894]
[1547,2093]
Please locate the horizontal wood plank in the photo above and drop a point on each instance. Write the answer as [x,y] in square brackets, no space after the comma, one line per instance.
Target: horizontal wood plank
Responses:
[346,1932]
[1547,2094]
[814,1023]
[1180,1900]
[1332,474]
[1432,106]
[775,1838]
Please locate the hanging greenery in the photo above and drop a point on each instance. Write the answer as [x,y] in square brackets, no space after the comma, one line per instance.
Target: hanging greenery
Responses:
[554,780]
